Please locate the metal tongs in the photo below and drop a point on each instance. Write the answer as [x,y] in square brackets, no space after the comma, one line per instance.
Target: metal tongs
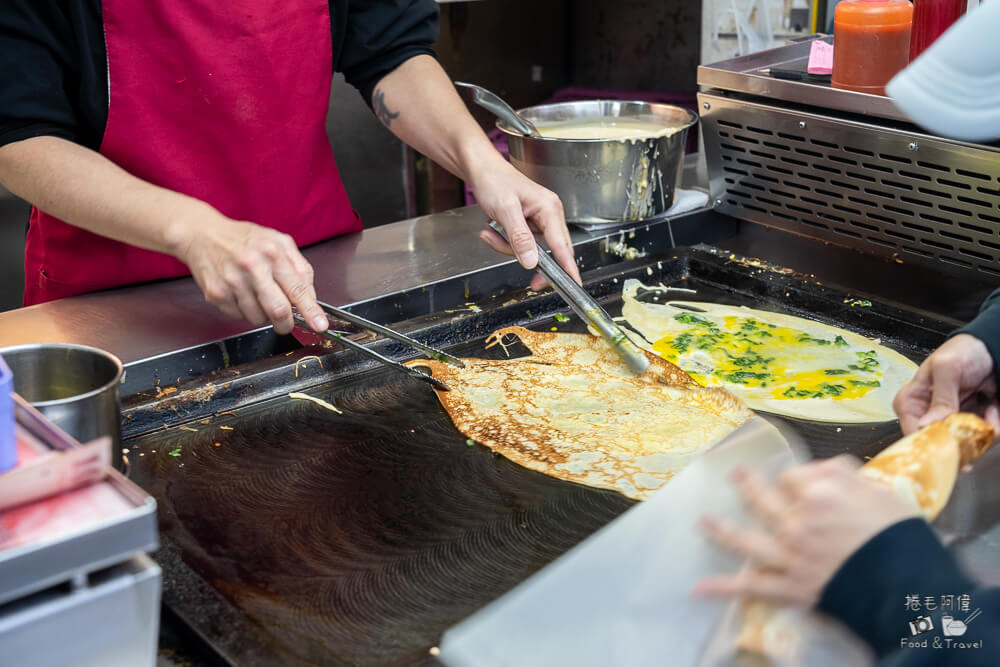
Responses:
[589,310]
[339,336]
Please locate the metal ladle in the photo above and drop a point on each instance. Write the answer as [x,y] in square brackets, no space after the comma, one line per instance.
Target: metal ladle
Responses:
[502,110]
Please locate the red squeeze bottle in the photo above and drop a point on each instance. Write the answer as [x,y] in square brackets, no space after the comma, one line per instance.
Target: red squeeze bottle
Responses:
[930,19]
[871,43]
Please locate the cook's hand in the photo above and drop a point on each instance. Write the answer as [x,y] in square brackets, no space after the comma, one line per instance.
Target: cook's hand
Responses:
[954,373]
[522,206]
[814,518]
[252,272]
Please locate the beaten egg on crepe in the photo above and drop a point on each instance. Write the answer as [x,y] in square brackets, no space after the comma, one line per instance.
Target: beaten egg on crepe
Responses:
[777,363]
[573,410]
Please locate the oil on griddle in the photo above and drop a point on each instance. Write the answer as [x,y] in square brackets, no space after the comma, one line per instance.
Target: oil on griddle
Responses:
[359,538]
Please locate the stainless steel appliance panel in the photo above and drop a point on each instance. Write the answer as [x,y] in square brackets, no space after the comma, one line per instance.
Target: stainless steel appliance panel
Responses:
[111,619]
[879,189]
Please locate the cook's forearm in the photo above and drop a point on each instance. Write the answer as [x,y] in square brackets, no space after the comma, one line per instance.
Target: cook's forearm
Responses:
[82,187]
[419,104]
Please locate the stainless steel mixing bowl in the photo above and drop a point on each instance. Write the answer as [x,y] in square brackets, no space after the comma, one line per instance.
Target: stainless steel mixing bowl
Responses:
[605,180]
[75,386]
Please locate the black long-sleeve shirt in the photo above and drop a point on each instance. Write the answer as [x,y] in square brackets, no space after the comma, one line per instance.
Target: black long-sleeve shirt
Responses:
[986,326]
[53,60]
[885,586]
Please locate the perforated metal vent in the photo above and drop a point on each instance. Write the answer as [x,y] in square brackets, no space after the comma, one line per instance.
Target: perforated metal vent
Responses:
[876,188]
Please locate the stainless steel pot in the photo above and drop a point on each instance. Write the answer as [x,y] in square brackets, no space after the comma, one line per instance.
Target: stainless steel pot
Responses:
[605,180]
[75,386]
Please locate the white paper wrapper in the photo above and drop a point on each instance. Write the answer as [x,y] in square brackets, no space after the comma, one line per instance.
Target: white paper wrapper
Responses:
[816,641]
[622,597]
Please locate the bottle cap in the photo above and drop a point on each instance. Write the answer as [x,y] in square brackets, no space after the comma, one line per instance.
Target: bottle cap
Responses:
[873,13]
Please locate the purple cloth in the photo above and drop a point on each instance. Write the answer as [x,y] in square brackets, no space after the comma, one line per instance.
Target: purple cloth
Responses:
[8,439]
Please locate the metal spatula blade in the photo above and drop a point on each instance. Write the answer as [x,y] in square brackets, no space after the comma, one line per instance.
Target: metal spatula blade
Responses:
[589,310]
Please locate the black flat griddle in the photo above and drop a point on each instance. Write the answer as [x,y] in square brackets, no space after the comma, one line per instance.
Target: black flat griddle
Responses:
[305,537]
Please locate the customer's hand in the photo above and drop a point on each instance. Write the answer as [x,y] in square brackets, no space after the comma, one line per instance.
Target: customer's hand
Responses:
[957,372]
[251,272]
[522,207]
[813,519]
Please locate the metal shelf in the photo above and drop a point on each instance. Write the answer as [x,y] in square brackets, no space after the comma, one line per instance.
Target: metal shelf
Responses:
[743,75]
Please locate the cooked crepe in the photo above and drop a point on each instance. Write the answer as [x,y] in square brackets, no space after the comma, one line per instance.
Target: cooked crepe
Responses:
[575,411]
[921,469]
[776,363]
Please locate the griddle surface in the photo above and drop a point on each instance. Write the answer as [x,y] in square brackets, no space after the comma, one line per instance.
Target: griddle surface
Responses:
[304,536]
[359,538]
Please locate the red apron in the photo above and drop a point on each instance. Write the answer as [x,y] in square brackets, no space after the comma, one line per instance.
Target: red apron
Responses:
[222,101]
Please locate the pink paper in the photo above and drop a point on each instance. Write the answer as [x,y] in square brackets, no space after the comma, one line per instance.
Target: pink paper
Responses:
[70,512]
[820,58]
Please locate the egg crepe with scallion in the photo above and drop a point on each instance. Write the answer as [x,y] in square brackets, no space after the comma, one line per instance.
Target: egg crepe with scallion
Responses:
[776,363]
[573,410]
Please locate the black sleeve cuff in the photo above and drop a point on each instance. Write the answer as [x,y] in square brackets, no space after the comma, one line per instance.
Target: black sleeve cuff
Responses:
[9,135]
[366,81]
[380,36]
[869,591]
[986,327]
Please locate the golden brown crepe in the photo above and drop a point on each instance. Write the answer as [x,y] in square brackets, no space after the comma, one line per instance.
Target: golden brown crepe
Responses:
[921,469]
[574,410]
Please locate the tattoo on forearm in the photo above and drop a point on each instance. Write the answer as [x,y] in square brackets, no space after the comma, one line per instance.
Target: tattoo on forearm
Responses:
[381,110]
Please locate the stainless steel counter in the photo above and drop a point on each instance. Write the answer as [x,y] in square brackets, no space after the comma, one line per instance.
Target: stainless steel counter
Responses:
[146,321]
